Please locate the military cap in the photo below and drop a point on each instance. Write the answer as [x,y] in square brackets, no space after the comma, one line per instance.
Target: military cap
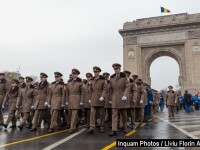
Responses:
[135,76]
[75,71]
[43,75]
[116,65]
[126,71]
[58,74]
[95,68]
[29,79]
[21,77]
[89,75]
[170,86]
[15,81]
[106,74]
[1,73]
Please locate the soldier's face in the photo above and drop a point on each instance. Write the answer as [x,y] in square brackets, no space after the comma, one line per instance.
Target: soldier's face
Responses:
[13,84]
[74,75]
[88,78]
[57,78]
[170,89]
[21,80]
[28,83]
[1,77]
[42,79]
[96,73]
[117,70]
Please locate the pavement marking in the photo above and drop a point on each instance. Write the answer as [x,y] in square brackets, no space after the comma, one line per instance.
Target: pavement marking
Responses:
[109,146]
[133,131]
[195,132]
[128,134]
[186,122]
[190,126]
[180,129]
[182,119]
[63,140]
[142,125]
[31,139]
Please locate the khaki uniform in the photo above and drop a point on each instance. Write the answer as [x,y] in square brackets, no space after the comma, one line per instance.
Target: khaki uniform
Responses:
[108,105]
[3,90]
[139,106]
[119,87]
[98,89]
[171,99]
[19,112]
[39,105]
[74,96]
[25,101]
[132,98]
[11,99]
[56,99]
[87,107]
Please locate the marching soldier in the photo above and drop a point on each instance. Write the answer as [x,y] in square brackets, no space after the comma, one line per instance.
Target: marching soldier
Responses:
[56,100]
[39,105]
[132,97]
[98,89]
[11,99]
[139,104]
[3,90]
[87,101]
[21,85]
[171,100]
[119,90]
[108,101]
[25,101]
[74,98]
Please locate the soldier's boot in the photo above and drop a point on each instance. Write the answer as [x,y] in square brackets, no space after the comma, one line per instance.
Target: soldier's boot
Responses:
[20,127]
[90,130]
[71,131]
[51,130]
[5,125]
[101,129]
[33,129]
[113,133]
[13,126]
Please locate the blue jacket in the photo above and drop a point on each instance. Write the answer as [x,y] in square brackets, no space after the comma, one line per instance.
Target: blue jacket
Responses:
[196,99]
[149,96]
[181,100]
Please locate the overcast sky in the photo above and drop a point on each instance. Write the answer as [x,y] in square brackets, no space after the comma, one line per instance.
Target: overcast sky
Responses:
[58,35]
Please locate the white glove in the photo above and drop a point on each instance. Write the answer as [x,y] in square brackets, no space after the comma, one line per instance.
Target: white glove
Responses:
[175,101]
[101,98]
[3,106]
[49,106]
[66,103]
[141,101]
[151,102]
[124,98]
[32,107]
[16,106]
[89,101]
[62,106]
[110,102]
[81,103]
[46,104]
[134,101]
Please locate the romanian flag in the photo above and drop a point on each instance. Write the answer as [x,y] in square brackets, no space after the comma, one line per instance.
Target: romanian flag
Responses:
[164,10]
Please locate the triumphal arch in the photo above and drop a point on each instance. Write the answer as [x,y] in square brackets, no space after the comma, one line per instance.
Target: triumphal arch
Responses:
[176,36]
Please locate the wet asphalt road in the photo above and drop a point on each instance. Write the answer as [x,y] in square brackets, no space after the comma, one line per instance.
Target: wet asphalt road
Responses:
[154,129]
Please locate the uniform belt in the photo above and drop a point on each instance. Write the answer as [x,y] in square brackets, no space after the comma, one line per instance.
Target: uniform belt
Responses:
[74,94]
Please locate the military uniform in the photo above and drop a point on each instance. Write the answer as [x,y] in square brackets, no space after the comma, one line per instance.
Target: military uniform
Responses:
[56,101]
[3,90]
[11,99]
[25,101]
[139,104]
[119,90]
[74,99]
[39,105]
[171,100]
[98,93]
[108,102]
[87,101]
